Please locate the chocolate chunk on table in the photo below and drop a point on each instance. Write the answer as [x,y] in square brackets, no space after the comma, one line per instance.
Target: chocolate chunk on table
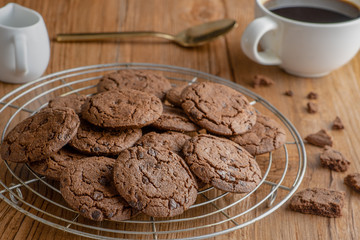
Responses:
[262,80]
[337,124]
[289,93]
[312,107]
[312,95]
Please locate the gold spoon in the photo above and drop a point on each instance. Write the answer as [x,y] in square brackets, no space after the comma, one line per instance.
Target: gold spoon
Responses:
[190,37]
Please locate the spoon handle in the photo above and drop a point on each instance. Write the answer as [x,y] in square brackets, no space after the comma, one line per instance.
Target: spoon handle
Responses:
[78,37]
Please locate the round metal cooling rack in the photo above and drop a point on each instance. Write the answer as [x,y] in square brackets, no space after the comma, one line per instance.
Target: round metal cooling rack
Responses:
[214,213]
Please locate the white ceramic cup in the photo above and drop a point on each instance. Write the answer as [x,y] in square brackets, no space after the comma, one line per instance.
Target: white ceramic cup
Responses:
[24,44]
[302,48]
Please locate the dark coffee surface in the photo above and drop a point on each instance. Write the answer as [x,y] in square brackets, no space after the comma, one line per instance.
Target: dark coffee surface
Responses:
[311,14]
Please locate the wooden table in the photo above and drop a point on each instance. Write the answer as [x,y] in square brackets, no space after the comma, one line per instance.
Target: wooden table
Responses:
[339,95]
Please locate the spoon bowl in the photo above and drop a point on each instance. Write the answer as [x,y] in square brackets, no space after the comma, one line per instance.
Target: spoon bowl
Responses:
[191,37]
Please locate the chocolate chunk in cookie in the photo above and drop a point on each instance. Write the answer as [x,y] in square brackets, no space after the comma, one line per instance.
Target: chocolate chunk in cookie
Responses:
[218,108]
[173,141]
[174,95]
[222,163]
[155,181]
[353,181]
[88,187]
[53,166]
[100,141]
[337,124]
[266,136]
[318,201]
[125,108]
[71,101]
[175,119]
[40,135]
[320,138]
[334,160]
[135,79]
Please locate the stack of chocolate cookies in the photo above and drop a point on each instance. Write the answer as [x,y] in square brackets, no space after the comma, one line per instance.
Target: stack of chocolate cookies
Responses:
[139,145]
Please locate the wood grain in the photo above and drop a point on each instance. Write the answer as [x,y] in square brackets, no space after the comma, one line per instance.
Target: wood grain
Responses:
[339,95]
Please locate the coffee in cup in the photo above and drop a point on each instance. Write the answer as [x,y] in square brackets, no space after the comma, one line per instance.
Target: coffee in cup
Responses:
[307,38]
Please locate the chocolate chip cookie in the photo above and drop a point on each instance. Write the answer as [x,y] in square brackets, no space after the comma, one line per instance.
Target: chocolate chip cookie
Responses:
[53,166]
[71,101]
[174,95]
[155,181]
[222,163]
[88,187]
[135,79]
[99,141]
[173,141]
[266,136]
[125,108]
[175,119]
[40,135]
[318,201]
[218,108]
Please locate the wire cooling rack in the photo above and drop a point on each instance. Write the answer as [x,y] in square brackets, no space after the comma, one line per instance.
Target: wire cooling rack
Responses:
[214,213]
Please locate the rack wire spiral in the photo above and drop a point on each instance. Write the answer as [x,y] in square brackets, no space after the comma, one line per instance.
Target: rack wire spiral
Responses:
[214,213]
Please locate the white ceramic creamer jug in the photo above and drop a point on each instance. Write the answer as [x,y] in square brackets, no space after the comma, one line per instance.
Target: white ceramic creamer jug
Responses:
[24,44]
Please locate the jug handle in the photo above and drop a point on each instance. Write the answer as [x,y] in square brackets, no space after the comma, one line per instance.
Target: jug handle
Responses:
[21,66]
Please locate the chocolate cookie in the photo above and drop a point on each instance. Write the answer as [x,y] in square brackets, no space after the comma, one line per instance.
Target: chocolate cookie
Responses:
[222,163]
[318,201]
[175,119]
[155,181]
[135,79]
[100,141]
[218,108]
[53,166]
[88,187]
[353,181]
[71,101]
[126,108]
[265,136]
[173,141]
[40,135]
[174,95]
[334,160]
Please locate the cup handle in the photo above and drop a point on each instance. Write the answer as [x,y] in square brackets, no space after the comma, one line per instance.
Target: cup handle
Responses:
[21,66]
[251,38]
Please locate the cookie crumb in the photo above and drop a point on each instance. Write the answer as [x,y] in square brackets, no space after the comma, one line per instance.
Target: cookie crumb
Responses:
[320,138]
[337,124]
[353,181]
[318,201]
[289,93]
[263,80]
[312,95]
[312,107]
[334,160]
